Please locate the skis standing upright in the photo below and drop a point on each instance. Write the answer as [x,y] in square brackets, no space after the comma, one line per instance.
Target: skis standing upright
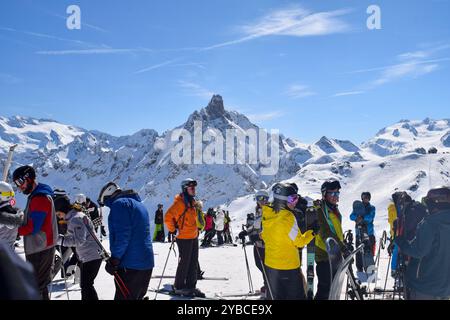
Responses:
[8,162]
[311,218]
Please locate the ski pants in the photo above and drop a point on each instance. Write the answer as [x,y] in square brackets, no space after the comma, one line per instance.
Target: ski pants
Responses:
[208,237]
[285,284]
[186,276]
[364,258]
[159,233]
[220,238]
[323,280]
[136,281]
[42,263]
[259,255]
[89,271]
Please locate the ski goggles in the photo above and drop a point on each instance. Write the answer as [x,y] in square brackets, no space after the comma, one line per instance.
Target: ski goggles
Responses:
[7,194]
[262,198]
[292,198]
[334,194]
[20,181]
[191,184]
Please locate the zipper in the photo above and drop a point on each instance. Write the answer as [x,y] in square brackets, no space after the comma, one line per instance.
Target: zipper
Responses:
[418,268]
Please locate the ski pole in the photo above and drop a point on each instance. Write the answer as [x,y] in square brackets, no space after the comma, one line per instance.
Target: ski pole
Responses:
[249,276]
[265,274]
[8,162]
[387,275]
[165,265]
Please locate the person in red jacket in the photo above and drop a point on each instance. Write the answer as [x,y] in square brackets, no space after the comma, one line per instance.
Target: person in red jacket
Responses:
[40,229]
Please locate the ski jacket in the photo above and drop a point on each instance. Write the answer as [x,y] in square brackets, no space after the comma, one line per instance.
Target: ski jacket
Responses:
[369,216]
[10,220]
[40,229]
[129,231]
[209,223]
[428,270]
[325,217]
[182,216]
[79,237]
[392,216]
[219,220]
[200,220]
[255,228]
[282,238]
[159,217]
[93,214]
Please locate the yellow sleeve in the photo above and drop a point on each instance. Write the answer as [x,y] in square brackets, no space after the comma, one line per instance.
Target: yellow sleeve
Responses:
[392,216]
[299,239]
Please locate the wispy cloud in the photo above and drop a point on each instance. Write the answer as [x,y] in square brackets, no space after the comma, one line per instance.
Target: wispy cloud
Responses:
[189,64]
[48,36]
[157,66]
[259,117]
[297,91]
[93,51]
[294,21]
[9,79]
[194,89]
[404,70]
[347,93]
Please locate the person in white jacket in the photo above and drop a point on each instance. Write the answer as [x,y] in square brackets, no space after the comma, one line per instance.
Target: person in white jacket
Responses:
[219,221]
[10,216]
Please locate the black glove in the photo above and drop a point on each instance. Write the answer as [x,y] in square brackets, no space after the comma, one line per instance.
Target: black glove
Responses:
[112,265]
[390,248]
[103,231]
[242,235]
[315,227]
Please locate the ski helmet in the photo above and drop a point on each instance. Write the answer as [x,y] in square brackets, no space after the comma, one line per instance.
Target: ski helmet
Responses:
[80,198]
[160,205]
[262,195]
[438,198]
[6,194]
[21,174]
[59,192]
[330,185]
[106,192]
[366,194]
[281,191]
[188,183]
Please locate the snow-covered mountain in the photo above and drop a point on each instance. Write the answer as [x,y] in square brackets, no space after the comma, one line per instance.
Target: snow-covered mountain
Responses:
[80,160]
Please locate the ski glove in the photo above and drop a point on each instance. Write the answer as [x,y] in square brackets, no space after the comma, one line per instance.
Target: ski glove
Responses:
[242,235]
[390,248]
[112,265]
[103,231]
[175,233]
[315,227]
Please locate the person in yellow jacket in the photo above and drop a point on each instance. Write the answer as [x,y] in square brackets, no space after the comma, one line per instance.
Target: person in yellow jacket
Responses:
[283,238]
[330,223]
[182,221]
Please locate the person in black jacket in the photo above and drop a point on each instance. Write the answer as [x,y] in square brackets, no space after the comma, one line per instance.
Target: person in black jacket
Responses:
[159,225]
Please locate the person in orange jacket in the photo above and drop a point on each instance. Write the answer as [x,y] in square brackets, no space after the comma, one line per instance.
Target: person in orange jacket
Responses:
[181,221]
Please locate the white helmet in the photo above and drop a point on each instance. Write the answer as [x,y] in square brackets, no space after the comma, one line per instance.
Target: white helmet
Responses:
[106,192]
[6,192]
[80,198]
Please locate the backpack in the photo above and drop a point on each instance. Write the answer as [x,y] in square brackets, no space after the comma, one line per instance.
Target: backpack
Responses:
[410,214]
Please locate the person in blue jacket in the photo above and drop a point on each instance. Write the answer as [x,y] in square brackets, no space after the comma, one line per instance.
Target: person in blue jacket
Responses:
[364,218]
[130,240]
[427,275]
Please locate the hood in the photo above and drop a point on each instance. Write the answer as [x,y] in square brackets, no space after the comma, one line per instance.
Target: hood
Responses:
[441,218]
[42,189]
[128,194]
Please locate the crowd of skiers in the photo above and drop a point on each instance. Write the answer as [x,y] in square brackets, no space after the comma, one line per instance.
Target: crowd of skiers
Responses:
[53,226]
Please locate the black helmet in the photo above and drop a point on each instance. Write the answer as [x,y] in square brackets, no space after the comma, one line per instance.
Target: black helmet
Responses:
[330,185]
[23,173]
[366,194]
[188,183]
[281,191]
[160,205]
[438,198]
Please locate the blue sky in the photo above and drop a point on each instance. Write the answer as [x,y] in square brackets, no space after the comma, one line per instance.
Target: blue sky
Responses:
[308,68]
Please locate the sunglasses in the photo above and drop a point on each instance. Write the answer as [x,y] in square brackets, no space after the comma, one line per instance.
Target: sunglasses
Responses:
[20,181]
[262,198]
[334,194]
[292,198]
